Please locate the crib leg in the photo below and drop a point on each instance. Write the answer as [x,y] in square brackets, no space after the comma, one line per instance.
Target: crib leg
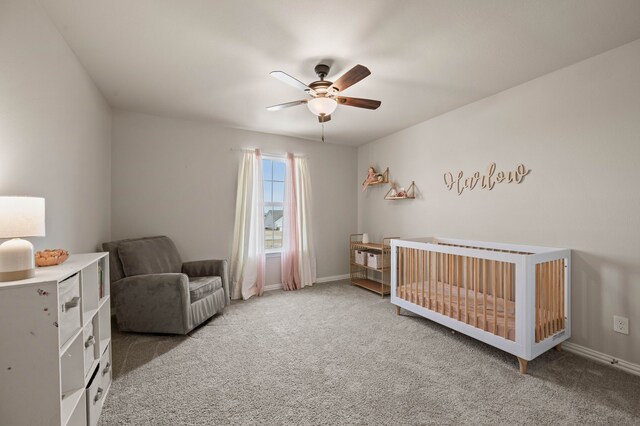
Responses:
[523,365]
[558,347]
[397,310]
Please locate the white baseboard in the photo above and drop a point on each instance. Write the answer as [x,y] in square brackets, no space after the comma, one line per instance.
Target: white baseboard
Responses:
[272,287]
[602,358]
[333,278]
[278,286]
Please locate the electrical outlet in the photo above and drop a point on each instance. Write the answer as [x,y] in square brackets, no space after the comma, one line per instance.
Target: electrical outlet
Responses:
[621,324]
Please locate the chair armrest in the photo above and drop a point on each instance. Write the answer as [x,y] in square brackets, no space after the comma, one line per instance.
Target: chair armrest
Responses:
[210,268]
[156,303]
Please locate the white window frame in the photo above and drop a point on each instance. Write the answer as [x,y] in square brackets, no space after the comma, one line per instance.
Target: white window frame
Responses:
[278,250]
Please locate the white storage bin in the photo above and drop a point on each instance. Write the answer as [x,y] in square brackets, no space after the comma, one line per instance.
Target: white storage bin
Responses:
[68,308]
[374,260]
[361,257]
[95,397]
[89,340]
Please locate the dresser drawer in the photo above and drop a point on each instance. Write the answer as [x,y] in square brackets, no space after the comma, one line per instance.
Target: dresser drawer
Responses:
[95,397]
[106,368]
[89,344]
[68,307]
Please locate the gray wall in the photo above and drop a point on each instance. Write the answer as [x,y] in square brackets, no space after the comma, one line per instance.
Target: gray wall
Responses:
[578,130]
[179,178]
[55,130]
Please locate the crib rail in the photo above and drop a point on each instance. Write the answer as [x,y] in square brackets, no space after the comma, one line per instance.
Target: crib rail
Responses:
[478,292]
[513,297]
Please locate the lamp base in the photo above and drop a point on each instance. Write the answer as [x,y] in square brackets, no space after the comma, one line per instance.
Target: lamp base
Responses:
[16,260]
[17,275]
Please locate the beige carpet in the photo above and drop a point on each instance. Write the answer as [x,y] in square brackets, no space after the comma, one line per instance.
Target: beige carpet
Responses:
[335,354]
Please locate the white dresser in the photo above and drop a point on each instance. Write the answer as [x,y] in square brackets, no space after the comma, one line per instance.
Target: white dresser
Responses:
[55,344]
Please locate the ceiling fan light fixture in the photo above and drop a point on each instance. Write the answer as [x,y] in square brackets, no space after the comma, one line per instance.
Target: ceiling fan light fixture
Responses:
[322,106]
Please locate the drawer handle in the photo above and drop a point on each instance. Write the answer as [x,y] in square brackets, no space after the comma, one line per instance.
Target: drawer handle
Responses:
[98,395]
[70,304]
[106,369]
[90,341]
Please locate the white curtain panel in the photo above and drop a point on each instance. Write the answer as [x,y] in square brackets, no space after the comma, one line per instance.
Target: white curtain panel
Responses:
[290,268]
[247,257]
[306,248]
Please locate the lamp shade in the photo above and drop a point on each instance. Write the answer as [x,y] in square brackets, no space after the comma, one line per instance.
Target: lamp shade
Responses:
[322,106]
[21,217]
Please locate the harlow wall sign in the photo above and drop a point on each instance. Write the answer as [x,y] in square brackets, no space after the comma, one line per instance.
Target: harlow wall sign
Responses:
[486,181]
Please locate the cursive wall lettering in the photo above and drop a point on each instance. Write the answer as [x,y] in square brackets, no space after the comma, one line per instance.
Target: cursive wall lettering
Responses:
[486,181]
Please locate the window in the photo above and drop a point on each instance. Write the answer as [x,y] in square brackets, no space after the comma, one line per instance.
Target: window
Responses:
[273,175]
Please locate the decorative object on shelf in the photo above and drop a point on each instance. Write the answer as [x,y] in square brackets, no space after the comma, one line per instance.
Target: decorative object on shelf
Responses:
[487,181]
[51,257]
[375,178]
[365,238]
[19,217]
[370,266]
[401,193]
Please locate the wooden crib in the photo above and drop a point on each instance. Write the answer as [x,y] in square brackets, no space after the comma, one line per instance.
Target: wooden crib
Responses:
[513,297]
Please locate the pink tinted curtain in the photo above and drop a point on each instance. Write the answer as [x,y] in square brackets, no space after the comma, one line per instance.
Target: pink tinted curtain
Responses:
[289,256]
[247,256]
[298,254]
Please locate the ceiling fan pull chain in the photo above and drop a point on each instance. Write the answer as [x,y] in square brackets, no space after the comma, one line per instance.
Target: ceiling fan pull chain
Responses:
[322,132]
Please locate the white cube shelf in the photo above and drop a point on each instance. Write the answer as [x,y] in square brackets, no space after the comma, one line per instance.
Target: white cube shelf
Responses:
[56,333]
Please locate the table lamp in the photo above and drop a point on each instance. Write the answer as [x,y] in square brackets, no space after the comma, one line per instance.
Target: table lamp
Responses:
[19,217]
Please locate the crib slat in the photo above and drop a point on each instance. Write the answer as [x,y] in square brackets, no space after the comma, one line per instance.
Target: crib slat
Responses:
[494,281]
[537,304]
[420,284]
[485,326]
[504,300]
[441,281]
[466,289]
[411,273]
[429,266]
[558,296]
[416,267]
[437,279]
[404,273]
[562,275]
[400,272]
[545,302]
[458,258]
[547,289]
[554,295]
[552,325]
[475,291]
[450,283]
[560,293]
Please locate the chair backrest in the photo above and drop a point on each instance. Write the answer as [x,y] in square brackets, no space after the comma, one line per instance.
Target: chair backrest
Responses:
[138,256]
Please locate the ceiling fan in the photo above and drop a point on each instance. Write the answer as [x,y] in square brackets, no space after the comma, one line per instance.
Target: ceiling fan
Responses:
[324,94]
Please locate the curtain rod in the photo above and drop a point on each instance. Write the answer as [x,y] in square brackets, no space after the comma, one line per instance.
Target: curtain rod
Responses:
[268,154]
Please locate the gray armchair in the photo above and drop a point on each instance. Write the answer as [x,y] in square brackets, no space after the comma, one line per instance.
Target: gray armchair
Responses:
[154,292]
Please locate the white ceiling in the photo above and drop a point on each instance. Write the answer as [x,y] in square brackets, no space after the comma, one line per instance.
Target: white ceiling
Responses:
[211,59]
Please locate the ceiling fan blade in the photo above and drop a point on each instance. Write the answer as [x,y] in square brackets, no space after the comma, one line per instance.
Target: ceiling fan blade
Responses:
[286,105]
[286,78]
[350,78]
[358,102]
[324,118]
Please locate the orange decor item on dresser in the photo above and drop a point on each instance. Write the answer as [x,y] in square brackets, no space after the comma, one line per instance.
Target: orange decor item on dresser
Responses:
[50,257]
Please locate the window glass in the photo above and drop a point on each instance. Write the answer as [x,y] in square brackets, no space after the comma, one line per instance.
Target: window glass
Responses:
[273,172]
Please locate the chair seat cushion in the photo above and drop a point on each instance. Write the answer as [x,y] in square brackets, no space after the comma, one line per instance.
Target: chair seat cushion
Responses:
[201,287]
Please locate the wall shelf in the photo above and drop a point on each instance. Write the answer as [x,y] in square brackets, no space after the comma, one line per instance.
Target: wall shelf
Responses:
[410,193]
[381,178]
